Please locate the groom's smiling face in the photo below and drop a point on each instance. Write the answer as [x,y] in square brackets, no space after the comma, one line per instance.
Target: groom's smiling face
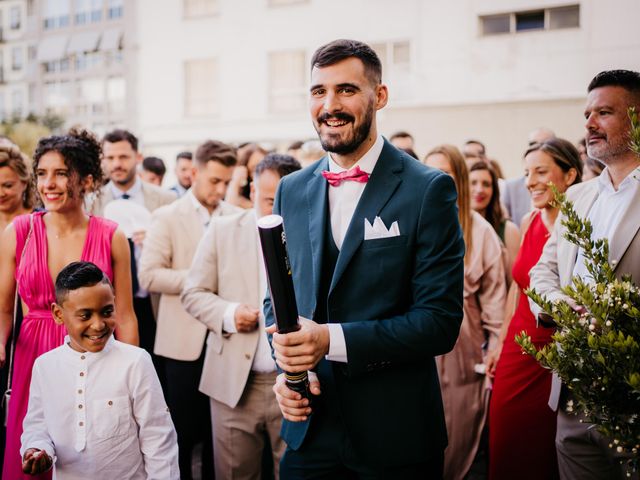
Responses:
[343,101]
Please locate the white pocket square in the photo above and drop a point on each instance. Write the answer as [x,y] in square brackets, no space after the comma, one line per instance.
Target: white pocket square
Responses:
[379,230]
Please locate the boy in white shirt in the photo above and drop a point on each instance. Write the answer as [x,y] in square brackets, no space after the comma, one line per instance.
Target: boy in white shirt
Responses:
[96,408]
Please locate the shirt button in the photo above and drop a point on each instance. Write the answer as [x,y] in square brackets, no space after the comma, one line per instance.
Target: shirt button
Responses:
[82,357]
[81,424]
[109,403]
[80,406]
[247,356]
[82,374]
[80,391]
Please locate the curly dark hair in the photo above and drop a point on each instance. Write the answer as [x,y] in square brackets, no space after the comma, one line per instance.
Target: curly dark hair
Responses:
[81,152]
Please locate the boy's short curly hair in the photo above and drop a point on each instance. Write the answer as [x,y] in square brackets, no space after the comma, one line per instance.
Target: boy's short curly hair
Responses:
[80,150]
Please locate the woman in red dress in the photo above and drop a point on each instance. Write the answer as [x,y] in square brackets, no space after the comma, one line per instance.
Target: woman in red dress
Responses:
[522,427]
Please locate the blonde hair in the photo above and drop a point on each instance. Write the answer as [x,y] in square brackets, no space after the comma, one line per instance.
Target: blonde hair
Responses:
[12,157]
[461,180]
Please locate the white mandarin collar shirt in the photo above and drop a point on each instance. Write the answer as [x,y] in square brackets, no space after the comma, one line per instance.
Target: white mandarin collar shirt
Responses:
[607,210]
[135,192]
[344,198]
[101,414]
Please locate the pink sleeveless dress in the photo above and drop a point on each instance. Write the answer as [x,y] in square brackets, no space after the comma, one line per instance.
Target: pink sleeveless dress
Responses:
[39,333]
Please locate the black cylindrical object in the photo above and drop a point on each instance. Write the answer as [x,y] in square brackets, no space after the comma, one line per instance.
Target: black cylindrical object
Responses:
[280,280]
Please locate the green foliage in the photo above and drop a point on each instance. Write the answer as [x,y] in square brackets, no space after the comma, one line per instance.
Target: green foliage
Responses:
[634,134]
[26,132]
[596,349]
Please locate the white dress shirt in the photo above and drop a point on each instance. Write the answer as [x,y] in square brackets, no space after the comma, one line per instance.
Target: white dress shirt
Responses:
[605,215]
[202,211]
[101,415]
[607,211]
[262,361]
[343,200]
[135,194]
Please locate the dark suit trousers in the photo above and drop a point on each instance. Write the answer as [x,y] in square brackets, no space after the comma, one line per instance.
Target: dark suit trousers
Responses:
[147,332]
[327,452]
[190,413]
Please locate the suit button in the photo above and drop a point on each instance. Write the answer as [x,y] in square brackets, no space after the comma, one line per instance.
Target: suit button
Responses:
[247,356]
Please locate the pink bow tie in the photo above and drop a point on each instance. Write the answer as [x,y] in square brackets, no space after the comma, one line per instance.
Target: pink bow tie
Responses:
[355,174]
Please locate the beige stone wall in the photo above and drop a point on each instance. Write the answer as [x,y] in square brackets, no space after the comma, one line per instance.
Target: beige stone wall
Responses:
[502,127]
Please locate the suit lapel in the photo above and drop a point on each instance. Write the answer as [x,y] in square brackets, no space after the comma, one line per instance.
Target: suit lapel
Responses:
[247,248]
[382,183]
[190,219]
[149,198]
[317,207]
[626,230]
[582,206]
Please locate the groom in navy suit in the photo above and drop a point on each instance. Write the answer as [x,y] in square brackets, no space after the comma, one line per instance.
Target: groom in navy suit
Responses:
[377,259]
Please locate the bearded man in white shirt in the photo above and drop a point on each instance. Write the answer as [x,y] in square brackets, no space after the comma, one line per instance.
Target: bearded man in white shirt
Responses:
[95,404]
[224,290]
[612,203]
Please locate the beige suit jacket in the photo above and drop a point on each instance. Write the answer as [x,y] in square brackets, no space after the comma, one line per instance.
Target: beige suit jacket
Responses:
[167,253]
[154,197]
[554,270]
[225,269]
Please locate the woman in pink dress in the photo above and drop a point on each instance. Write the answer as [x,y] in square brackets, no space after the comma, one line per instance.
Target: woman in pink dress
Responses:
[36,247]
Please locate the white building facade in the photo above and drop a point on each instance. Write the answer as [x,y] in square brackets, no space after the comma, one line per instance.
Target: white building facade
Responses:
[486,69]
[79,61]
[13,60]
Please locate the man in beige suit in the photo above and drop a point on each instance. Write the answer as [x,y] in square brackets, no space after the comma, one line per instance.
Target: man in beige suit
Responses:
[612,204]
[224,290]
[120,158]
[168,251]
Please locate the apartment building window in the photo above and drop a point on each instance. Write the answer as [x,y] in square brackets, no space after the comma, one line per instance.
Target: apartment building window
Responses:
[88,11]
[56,14]
[17,58]
[15,15]
[531,20]
[88,60]
[199,8]
[287,81]
[394,56]
[90,96]
[116,95]
[17,103]
[55,66]
[200,87]
[564,17]
[58,96]
[114,9]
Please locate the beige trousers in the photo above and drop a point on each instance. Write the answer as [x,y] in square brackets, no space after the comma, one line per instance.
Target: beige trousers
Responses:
[239,433]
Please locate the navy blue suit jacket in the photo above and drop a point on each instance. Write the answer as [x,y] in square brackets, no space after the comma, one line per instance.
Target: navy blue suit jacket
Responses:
[399,301]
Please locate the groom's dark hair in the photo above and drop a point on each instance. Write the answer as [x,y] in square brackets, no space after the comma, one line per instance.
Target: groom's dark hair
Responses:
[339,50]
